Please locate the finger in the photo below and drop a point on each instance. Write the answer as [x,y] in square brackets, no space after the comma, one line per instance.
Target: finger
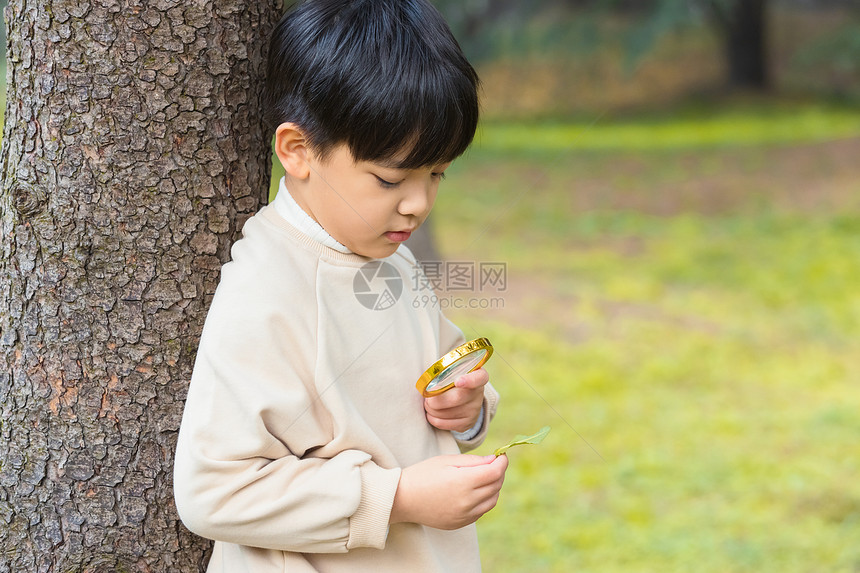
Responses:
[495,472]
[460,424]
[501,462]
[487,492]
[490,474]
[444,401]
[499,466]
[469,460]
[463,410]
[473,380]
[487,504]
[454,398]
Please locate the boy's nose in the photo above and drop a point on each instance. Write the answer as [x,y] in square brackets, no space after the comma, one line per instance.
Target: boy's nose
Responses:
[418,200]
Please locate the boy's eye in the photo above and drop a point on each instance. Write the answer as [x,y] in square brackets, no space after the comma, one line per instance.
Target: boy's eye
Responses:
[440,175]
[385,183]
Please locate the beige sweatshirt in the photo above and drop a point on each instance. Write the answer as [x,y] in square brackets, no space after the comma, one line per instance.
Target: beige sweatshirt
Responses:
[302,409]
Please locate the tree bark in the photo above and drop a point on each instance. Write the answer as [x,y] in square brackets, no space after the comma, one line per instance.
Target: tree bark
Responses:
[133,152]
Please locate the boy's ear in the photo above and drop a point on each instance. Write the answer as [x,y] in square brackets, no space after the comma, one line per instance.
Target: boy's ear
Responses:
[292,149]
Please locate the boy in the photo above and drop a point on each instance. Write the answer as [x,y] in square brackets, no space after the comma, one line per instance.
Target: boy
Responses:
[304,445]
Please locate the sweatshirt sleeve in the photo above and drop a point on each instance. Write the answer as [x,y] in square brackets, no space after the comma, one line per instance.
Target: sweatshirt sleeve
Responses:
[253,464]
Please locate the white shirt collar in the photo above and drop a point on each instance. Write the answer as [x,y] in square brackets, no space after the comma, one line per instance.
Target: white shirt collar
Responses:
[287,208]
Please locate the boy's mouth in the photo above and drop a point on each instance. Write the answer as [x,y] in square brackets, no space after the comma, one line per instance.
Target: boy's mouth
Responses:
[398,236]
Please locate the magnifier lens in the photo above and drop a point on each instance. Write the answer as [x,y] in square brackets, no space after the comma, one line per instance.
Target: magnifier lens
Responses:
[462,366]
[443,373]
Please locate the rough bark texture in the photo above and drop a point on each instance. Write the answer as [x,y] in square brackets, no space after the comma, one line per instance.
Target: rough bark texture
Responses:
[133,151]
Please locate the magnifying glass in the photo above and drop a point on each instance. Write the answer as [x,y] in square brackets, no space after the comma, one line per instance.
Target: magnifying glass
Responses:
[444,373]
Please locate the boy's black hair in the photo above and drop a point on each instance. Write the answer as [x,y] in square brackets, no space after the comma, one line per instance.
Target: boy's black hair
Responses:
[382,76]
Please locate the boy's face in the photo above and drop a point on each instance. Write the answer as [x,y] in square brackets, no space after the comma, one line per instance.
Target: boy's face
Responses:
[368,207]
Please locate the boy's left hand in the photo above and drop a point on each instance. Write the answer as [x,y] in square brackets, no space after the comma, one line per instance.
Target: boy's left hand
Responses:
[458,408]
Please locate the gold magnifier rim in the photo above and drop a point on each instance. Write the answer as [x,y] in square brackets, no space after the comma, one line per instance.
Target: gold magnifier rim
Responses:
[463,350]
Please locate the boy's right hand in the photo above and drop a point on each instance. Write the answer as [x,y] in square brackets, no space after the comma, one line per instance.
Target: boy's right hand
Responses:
[449,492]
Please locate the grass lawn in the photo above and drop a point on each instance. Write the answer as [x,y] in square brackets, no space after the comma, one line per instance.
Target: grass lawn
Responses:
[686,316]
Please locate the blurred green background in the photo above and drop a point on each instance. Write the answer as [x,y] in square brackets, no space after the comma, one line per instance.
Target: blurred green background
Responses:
[682,253]
[682,302]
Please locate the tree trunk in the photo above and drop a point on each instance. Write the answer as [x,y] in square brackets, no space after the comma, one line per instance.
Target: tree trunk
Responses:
[133,151]
[743,24]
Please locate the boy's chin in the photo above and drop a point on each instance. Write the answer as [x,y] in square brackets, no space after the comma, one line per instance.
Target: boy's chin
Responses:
[376,251]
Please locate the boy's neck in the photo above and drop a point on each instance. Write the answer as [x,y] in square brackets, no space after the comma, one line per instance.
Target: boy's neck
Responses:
[289,206]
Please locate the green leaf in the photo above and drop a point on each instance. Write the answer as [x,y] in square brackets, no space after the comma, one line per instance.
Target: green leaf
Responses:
[520,440]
